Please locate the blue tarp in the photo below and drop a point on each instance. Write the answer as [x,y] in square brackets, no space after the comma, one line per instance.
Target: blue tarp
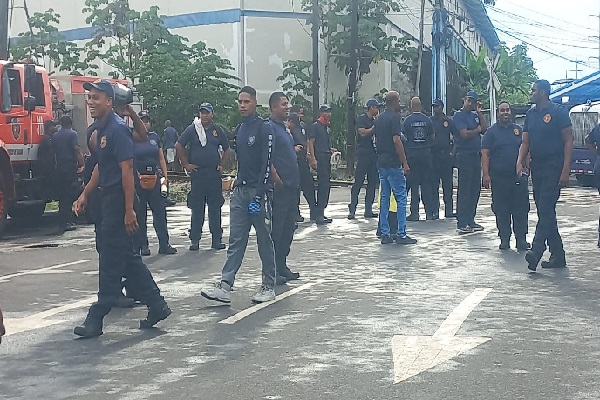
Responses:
[477,11]
[579,91]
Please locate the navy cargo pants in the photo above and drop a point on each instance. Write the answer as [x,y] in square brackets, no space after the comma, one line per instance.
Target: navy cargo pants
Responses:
[546,192]
[117,259]
[158,205]
[510,203]
[469,187]
[206,190]
[284,218]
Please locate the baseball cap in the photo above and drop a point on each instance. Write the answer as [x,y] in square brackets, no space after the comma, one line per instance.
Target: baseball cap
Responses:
[206,107]
[324,108]
[438,102]
[473,95]
[102,85]
[144,114]
[373,103]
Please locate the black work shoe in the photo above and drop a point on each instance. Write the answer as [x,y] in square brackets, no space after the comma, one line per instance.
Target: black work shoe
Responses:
[290,275]
[405,240]
[385,239]
[555,262]
[351,212]
[504,244]
[70,227]
[89,329]
[155,315]
[145,251]
[413,217]
[195,246]
[476,227]
[523,244]
[168,250]
[371,214]
[125,302]
[218,245]
[323,221]
[532,260]
[463,230]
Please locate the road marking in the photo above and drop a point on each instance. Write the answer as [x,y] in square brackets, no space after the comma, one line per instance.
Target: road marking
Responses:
[40,320]
[44,270]
[415,354]
[249,311]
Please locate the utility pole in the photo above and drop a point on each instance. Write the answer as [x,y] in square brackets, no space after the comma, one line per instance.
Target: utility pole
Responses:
[421,39]
[577,70]
[4,6]
[352,81]
[440,37]
[315,59]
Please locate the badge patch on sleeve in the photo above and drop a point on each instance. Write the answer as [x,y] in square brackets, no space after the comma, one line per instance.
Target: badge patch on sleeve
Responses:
[103,142]
[547,118]
[445,124]
[215,133]
[517,133]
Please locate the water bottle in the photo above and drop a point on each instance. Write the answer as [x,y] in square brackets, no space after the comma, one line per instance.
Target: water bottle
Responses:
[164,190]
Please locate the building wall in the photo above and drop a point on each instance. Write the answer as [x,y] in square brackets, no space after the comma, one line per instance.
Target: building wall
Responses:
[268,33]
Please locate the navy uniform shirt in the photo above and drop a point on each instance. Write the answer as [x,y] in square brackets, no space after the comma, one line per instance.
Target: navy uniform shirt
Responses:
[283,157]
[467,120]
[115,145]
[365,145]
[63,144]
[146,155]
[418,129]
[320,133]
[170,137]
[594,137]
[503,142]
[387,125]
[445,132]
[544,128]
[208,156]
[254,146]
[300,138]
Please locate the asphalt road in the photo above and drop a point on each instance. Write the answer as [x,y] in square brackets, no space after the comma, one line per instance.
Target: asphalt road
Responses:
[449,318]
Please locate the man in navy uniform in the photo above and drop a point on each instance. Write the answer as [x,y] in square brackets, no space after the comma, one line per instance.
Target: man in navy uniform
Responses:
[286,178]
[548,140]
[251,203]
[307,184]
[114,174]
[441,153]
[592,140]
[418,130]
[205,166]
[471,124]
[319,149]
[367,161]
[510,193]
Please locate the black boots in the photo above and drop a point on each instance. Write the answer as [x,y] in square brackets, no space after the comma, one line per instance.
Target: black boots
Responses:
[91,327]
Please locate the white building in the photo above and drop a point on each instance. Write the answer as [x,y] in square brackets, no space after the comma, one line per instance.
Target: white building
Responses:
[258,36]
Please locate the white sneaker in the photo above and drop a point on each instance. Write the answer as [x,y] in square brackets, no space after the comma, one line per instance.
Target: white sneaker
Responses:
[264,294]
[217,293]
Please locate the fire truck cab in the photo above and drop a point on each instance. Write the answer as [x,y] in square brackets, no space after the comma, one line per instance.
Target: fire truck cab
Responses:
[25,104]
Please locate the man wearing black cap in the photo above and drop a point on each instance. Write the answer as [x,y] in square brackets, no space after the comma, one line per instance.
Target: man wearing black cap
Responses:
[319,148]
[367,161]
[205,167]
[471,124]
[548,139]
[441,152]
[307,183]
[114,174]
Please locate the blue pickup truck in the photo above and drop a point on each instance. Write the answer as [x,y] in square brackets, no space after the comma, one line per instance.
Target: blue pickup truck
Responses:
[584,118]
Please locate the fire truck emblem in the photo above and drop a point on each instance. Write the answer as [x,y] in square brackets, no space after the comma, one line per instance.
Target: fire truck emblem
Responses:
[98,80]
[16,128]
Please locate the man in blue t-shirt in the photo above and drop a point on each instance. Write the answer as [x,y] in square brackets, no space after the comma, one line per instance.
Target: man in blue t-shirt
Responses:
[471,124]
[548,141]
[510,193]
[114,175]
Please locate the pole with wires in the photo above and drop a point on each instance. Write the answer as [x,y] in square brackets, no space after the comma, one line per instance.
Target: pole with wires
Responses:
[315,59]
[4,7]
[352,82]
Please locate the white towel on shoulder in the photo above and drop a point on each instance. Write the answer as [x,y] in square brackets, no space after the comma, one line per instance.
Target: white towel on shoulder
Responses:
[200,131]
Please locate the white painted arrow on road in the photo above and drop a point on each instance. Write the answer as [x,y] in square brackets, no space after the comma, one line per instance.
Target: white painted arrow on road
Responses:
[416,354]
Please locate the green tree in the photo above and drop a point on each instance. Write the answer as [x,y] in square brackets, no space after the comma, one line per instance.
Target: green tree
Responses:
[297,83]
[43,42]
[172,76]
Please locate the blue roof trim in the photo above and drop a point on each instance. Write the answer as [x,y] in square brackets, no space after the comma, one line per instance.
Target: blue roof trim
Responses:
[579,91]
[477,11]
[192,19]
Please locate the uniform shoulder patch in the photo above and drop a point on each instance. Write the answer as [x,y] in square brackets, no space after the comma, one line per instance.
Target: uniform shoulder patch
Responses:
[517,132]
[446,124]
[547,118]
[215,133]
[103,142]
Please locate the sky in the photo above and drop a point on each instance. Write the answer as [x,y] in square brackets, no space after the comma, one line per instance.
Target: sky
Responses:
[557,33]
